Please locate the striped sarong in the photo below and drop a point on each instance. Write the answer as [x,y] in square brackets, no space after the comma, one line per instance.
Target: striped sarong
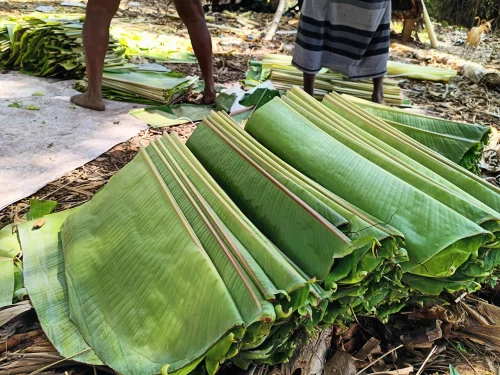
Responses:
[351,37]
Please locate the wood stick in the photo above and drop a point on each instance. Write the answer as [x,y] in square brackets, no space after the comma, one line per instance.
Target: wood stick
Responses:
[378,359]
[276,21]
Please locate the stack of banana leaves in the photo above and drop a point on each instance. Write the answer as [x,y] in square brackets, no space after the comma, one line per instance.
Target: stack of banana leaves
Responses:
[133,83]
[4,41]
[49,47]
[460,142]
[235,246]
[279,69]
[162,271]
[161,48]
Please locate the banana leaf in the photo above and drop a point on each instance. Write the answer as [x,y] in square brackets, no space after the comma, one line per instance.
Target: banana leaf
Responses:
[303,235]
[114,252]
[46,283]
[40,208]
[457,176]
[426,73]
[431,253]
[9,250]
[100,253]
[172,115]
[361,263]
[282,274]
[162,48]
[386,157]
[460,142]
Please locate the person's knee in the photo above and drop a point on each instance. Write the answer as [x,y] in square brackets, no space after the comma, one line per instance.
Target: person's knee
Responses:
[190,11]
[106,8]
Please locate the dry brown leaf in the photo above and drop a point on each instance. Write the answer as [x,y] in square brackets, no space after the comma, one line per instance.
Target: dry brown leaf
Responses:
[39,223]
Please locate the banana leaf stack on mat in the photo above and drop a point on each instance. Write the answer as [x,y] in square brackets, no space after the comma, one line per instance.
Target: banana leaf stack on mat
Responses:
[460,142]
[130,83]
[51,47]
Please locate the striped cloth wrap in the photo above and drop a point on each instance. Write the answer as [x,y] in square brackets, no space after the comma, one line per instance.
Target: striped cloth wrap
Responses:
[351,37]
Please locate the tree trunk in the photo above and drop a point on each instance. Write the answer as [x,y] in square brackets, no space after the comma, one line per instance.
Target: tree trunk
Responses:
[276,20]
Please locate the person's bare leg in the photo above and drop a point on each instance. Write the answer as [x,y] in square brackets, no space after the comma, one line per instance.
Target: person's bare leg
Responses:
[378,92]
[309,83]
[191,13]
[95,43]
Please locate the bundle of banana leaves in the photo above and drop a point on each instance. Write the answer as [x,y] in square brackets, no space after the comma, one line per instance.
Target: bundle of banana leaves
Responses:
[49,46]
[449,216]
[131,83]
[161,48]
[279,69]
[461,143]
[163,248]
[234,247]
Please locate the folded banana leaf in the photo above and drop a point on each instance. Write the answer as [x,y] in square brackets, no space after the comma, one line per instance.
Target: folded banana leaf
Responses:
[361,265]
[50,46]
[107,277]
[177,114]
[458,177]
[462,143]
[9,265]
[426,73]
[385,188]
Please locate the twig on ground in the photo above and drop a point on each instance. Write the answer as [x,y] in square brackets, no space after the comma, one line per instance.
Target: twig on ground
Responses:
[378,359]
[434,349]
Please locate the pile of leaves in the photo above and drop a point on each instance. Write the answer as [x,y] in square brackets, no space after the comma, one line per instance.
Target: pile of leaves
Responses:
[161,48]
[315,214]
[49,46]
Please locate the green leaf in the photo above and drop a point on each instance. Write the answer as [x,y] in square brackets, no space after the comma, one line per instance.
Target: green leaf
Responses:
[249,186]
[259,97]
[453,371]
[420,154]
[224,102]
[40,208]
[16,104]
[91,264]
[172,115]
[6,281]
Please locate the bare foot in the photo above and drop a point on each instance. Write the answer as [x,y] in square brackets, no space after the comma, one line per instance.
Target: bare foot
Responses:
[378,98]
[209,95]
[85,101]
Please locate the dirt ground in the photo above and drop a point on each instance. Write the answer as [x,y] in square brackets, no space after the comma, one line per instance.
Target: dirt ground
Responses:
[460,100]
